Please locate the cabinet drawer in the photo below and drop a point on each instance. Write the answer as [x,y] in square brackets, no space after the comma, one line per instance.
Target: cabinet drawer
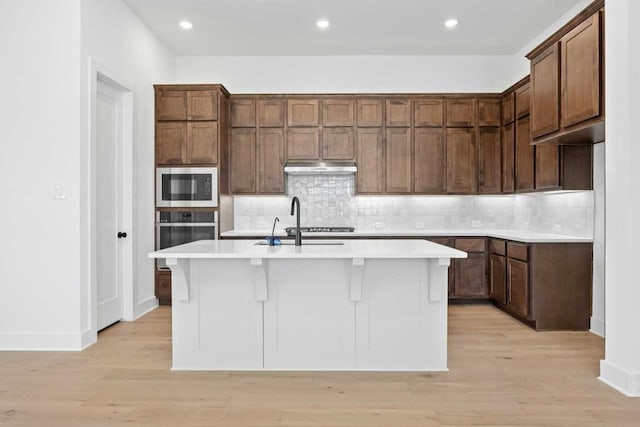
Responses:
[471,245]
[518,251]
[498,246]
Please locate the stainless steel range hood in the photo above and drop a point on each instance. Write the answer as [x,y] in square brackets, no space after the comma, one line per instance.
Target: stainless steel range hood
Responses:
[320,168]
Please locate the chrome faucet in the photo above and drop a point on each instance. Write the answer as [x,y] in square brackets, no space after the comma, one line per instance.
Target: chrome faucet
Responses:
[295,207]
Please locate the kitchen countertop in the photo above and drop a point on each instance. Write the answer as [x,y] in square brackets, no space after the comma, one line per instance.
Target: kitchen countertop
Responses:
[516,235]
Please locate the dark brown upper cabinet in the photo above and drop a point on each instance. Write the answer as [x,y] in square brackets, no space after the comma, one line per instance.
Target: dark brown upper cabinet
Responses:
[508,108]
[337,112]
[462,161]
[303,144]
[489,112]
[428,112]
[461,112]
[508,158]
[271,158]
[398,113]
[271,113]
[429,161]
[202,143]
[524,155]
[303,112]
[171,143]
[202,105]
[337,144]
[545,105]
[370,112]
[489,157]
[243,161]
[547,167]
[399,154]
[370,150]
[243,113]
[523,100]
[171,105]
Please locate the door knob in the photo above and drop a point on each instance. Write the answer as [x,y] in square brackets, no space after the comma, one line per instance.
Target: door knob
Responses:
[121,234]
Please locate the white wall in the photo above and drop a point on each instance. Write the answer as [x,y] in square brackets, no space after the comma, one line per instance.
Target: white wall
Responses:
[40,147]
[597,306]
[114,37]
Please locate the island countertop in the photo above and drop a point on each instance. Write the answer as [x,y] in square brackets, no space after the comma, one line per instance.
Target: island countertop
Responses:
[328,249]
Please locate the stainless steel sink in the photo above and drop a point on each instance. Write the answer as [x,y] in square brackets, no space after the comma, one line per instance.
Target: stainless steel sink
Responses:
[287,243]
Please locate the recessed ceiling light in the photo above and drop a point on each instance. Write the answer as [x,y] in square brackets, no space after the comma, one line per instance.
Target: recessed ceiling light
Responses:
[323,23]
[186,25]
[451,23]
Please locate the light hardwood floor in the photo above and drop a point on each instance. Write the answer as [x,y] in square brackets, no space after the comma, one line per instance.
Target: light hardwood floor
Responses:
[501,373]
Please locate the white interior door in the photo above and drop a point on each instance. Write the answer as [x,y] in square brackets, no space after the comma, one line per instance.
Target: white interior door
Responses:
[109,134]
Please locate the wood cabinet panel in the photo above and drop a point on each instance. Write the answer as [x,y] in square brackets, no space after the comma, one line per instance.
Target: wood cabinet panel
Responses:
[461,112]
[489,112]
[428,112]
[471,245]
[399,155]
[171,143]
[202,143]
[303,144]
[171,105]
[508,158]
[271,160]
[518,286]
[370,175]
[518,251]
[524,156]
[545,103]
[163,287]
[370,112]
[303,112]
[243,113]
[337,112]
[429,161]
[202,105]
[498,278]
[498,246]
[523,100]
[489,159]
[398,112]
[337,144]
[581,72]
[271,113]
[547,167]
[470,276]
[243,161]
[508,108]
[462,161]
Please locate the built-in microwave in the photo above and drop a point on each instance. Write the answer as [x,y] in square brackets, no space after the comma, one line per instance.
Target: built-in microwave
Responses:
[187,187]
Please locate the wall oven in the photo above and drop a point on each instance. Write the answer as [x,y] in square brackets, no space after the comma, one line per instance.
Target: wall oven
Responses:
[187,187]
[179,227]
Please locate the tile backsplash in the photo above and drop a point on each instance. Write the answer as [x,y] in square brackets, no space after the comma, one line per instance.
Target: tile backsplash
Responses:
[330,201]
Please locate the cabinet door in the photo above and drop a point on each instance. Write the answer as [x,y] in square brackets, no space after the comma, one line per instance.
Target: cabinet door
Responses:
[370,175]
[271,161]
[461,112]
[429,161]
[523,100]
[202,105]
[303,112]
[581,72]
[470,276]
[462,161]
[518,286]
[508,108]
[489,177]
[399,160]
[337,144]
[398,112]
[370,112]
[243,113]
[337,112]
[202,143]
[508,158]
[547,167]
[524,156]
[171,143]
[545,114]
[303,144]
[271,113]
[243,161]
[498,278]
[163,287]
[488,112]
[171,105]
[428,112]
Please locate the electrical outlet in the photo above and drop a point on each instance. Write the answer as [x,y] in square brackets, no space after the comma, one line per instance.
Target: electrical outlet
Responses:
[476,224]
[557,228]
[58,192]
[419,225]
[379,225]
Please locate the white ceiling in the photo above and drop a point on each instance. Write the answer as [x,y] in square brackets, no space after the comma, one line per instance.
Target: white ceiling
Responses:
[358,27]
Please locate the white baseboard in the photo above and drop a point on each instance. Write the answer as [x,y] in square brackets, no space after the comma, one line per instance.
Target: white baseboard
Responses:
[41,341]
[597,326]
[146,306]
[89,338]
[625,382]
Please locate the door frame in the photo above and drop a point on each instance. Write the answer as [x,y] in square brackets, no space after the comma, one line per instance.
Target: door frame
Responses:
[99,72]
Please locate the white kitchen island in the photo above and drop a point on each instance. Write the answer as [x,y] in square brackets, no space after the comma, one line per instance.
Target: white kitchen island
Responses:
[337,305]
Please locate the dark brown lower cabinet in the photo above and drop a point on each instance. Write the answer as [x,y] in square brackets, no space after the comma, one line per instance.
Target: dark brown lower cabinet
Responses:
[163,287]
[470,279]
[518,286]
[498,278]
